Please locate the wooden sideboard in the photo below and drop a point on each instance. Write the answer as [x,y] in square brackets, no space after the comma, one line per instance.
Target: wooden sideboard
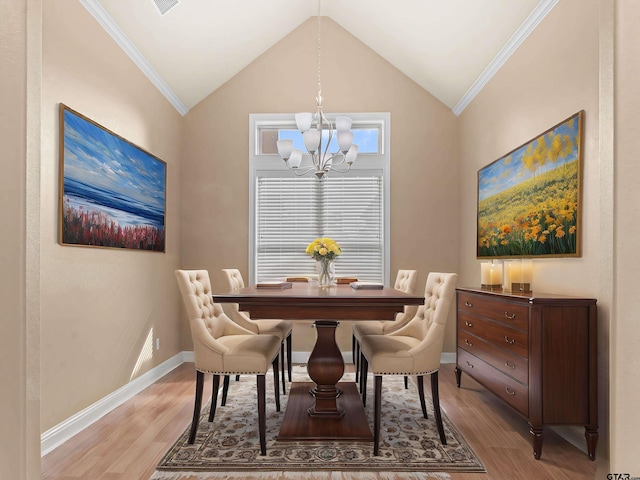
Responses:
[537,352]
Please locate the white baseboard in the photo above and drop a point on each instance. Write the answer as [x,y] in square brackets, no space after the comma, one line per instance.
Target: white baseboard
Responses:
[62,432]
[448,357]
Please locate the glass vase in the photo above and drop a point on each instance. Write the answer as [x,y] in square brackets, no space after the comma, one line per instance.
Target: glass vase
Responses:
[326,271]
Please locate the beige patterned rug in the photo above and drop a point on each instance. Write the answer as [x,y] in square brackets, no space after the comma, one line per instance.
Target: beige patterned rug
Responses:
[409,443]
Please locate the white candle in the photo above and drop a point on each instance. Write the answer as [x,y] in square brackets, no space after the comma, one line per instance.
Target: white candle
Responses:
[506,281]
[491,273]
[512,274]
[527,271]
[484,273]
[496,273]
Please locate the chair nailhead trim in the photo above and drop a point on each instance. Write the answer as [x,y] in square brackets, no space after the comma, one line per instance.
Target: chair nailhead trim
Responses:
[405,373]
[229,373]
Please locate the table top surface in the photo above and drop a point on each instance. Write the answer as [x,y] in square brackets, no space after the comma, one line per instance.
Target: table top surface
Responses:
[305,292]
[306,301]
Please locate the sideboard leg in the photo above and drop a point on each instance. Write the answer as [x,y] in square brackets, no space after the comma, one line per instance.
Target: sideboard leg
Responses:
[458,376]
[591,434]
[536,433]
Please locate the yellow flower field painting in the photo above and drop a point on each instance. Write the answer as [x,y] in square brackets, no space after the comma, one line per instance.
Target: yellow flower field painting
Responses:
[529,200]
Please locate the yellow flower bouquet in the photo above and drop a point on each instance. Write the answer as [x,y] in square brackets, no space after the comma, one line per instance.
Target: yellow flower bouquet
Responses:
[324,251]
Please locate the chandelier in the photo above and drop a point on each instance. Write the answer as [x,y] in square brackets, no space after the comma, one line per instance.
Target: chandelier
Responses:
[317,132]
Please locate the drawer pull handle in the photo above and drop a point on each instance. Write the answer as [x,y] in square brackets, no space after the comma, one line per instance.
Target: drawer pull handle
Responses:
[507,364]
[510,341]
[468,324]
[468,304]
[470,365]
[467,342]
[510,317]
[509,392]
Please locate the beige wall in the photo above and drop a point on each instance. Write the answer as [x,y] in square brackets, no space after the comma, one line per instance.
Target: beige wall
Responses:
[99,306]
[555,73]
[424,199]
[20,33]
[12,237]
[625,331]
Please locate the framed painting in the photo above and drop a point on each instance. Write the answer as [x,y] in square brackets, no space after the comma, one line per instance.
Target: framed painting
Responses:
[112,192]
[529,200]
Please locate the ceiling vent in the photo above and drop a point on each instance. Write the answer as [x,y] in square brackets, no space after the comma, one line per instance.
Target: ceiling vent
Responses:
[165,5]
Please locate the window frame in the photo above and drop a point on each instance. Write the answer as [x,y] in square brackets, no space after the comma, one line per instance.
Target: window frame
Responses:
[273,163]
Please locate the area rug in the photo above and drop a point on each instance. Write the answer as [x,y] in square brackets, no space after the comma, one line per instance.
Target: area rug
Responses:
[229,447]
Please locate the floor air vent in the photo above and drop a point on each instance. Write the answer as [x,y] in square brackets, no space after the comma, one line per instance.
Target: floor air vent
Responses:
[165,5]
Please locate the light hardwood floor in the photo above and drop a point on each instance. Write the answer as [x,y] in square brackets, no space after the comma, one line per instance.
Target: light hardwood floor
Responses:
[127,443]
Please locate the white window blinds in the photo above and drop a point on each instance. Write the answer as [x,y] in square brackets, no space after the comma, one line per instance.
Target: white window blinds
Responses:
[293,211]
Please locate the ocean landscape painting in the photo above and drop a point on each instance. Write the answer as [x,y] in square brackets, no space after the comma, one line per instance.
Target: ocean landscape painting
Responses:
[112,193]
[529,199]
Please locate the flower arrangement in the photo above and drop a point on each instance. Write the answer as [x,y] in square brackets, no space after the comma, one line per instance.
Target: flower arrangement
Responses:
[323,249]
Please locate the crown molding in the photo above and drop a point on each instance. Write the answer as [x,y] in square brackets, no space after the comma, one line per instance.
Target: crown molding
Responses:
[104,19]
[531,22]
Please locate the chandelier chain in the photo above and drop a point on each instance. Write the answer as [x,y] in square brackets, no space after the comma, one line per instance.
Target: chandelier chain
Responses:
[319,69]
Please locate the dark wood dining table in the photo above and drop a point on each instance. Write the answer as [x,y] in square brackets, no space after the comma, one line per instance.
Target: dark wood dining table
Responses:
[326,409]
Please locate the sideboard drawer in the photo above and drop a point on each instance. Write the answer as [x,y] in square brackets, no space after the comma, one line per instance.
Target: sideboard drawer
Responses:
[508,363]
[515,341]
[512,314]
[511,391]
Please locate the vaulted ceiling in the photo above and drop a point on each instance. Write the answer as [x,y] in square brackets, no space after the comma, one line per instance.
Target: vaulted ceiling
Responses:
[451,48]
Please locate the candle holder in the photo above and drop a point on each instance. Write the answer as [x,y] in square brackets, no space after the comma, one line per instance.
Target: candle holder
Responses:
[491,275]
[518,276]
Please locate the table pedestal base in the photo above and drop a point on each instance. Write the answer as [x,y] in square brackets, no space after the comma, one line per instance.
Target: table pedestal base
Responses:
[299,425]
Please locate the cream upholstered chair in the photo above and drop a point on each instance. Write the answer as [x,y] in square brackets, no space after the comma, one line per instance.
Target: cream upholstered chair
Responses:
[279,328]
[405,282]
[221,347]
[415,349]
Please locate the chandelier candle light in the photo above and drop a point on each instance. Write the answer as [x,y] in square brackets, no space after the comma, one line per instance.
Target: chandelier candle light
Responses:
[317,131]
[324,251]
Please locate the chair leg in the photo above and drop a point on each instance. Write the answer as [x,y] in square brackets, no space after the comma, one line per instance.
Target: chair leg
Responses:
[262,423]
[214,397]
[196,407]
[363,379]
[436,406]
[357,360]
[360,367]
[376,416]
[276,382]
[289,349]
[225,390]
[406,382]
[353,349]
[284,386]
[421,395]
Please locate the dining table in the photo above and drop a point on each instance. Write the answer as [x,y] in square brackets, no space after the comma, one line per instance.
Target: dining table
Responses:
[326,408]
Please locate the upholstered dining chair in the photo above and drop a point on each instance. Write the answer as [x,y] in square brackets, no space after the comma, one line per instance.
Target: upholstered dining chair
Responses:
[405,282]
[279,328]
[222,347]
[414,350]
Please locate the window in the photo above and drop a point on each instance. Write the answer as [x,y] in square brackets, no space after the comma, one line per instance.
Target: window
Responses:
[288,212]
